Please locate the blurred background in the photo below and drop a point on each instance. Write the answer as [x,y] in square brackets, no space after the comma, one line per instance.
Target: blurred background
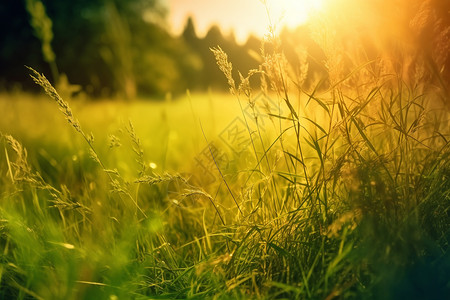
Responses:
[155,48]
[125,48]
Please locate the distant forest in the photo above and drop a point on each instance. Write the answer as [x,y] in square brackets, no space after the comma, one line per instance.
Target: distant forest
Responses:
[108,49]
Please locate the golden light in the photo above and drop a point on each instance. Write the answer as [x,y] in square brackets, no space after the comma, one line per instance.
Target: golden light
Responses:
[293,13]
[243,17]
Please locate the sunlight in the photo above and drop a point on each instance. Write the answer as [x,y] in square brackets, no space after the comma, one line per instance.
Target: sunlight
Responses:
[293,13]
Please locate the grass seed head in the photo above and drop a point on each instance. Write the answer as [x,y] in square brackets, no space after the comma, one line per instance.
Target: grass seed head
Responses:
[225,66]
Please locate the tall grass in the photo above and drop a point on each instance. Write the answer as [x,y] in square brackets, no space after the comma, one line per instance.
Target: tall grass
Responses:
[345,211]
[344,193]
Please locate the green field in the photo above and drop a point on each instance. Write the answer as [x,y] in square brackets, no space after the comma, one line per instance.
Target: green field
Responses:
[213,196]
[165,127]
[324,173]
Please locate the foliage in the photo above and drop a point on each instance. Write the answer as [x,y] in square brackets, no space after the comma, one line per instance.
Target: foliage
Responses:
[91,42]
[123,48]
[335,190]
[42,26]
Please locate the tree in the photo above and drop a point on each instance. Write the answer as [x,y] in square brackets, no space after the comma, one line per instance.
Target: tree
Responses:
[193,69]
[106,46]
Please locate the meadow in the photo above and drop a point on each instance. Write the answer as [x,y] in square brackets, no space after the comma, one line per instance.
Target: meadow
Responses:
[165,200]
[336,190]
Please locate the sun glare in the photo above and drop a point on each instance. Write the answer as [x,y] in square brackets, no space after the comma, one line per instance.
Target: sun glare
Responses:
[292,13]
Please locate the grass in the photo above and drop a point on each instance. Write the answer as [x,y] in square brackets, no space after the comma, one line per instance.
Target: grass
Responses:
[289,194]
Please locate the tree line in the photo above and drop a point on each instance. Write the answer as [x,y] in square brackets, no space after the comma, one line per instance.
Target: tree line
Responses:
[121,47]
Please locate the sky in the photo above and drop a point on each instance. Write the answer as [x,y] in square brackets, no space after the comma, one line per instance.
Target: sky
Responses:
[244,17]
